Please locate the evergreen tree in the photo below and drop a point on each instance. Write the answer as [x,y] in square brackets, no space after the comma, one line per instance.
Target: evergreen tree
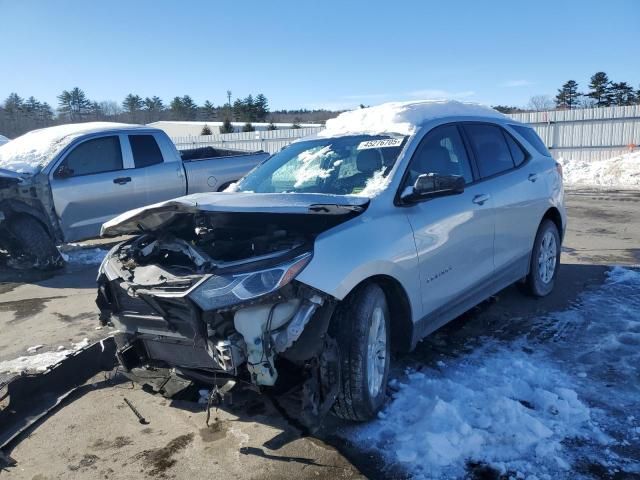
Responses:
[205,130]
[95,111]
[568,95]
[226,126]
[132,105]
[599,89]
[208,110]
[247,127]
[73,104]
[153,108]
[177,109]
[622,94]
[271,126]
[238,110]
[190,108]
[261,107]
[296,123]
[13,103]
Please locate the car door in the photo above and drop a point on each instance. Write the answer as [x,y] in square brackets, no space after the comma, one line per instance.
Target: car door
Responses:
[454,233]
[154,179]
[517,190]
[90,186]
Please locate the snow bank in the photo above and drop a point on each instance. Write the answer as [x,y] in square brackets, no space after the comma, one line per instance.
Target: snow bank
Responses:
[73,253]
[618,172]
[501,407]
[401,117]
[564,395]
[31,151]
[3,140]
[41,361]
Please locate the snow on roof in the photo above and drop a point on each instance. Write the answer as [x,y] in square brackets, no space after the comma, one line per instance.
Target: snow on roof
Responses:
[622,171]
[3,139]
[33,150]
[402,117]
[216,123]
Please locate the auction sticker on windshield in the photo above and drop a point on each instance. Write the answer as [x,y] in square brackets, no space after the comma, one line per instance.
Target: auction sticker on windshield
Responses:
[384,142]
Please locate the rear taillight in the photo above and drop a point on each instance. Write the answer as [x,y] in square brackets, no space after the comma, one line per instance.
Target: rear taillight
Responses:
[559,169]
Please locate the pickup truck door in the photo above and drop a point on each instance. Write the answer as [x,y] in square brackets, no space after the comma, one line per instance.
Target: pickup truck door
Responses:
[157,172]
[453,234]
[90,186]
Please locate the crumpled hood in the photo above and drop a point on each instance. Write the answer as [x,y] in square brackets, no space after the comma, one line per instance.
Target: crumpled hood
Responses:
[156,216]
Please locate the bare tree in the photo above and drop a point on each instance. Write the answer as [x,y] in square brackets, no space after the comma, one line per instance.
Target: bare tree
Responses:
[540,102]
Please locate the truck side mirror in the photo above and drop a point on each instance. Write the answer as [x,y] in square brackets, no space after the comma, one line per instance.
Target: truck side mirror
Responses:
[63,172]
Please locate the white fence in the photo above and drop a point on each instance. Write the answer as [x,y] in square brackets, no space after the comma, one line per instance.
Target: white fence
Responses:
[587,134]
[270,140]
[584,134]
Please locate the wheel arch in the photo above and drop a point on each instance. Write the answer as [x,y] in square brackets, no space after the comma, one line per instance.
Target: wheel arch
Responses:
[554,215]
[13,208]
[399,308]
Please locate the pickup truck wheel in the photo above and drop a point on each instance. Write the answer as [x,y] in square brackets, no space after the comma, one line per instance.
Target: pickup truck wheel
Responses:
[32,245]
[545,261]
[361,327]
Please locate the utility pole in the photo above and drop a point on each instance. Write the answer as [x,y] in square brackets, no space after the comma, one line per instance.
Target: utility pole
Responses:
[229,98]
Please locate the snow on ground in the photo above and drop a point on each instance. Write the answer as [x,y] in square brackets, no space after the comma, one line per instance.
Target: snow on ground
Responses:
[622,171]
[554,404]
[401,117]
[31,151]
[40,361]
[74,253]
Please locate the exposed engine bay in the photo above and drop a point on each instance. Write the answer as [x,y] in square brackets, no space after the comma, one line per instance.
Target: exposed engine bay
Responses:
[214,295]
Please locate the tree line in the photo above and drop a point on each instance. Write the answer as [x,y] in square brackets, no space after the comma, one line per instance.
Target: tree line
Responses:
[19,115]
[602,92]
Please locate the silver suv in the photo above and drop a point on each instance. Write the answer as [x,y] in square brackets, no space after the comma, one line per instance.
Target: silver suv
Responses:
[334,252]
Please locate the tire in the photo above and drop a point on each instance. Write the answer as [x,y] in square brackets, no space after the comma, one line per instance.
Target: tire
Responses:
[32,244]
[543,268]
[352,328]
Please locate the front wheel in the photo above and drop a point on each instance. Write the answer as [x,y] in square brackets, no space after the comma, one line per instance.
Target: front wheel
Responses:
[545,260]
[361,327]
[31,245]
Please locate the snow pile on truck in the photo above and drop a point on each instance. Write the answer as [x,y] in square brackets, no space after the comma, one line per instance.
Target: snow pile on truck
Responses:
[29,152]
[622,171]
[401,117]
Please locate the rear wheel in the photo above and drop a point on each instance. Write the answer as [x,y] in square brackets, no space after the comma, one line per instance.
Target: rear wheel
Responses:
[31,245]
[361,327]
[545,260]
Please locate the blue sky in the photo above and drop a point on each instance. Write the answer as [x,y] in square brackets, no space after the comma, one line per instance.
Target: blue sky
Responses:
[334,54]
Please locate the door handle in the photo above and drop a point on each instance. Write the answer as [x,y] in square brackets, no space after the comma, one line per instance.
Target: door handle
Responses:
[480,199]
[122,180]
[532,177]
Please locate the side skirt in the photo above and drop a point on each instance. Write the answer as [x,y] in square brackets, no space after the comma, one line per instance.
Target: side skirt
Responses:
[472,297]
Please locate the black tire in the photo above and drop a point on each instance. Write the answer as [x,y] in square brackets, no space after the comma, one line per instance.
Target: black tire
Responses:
[534,284]
[351,327]
[32,245]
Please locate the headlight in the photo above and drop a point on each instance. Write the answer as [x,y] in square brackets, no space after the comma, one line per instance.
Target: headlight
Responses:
[226,290]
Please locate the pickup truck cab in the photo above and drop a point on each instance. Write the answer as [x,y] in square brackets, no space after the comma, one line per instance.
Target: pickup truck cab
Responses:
[60,184]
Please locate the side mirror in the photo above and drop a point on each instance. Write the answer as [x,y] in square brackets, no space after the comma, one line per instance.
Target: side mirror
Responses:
[431,185]
[63,172]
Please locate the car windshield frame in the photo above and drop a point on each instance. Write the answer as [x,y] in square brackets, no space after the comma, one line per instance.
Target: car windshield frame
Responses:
[357,164]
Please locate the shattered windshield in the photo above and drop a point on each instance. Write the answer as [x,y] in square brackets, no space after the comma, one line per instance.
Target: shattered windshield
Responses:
[349,165]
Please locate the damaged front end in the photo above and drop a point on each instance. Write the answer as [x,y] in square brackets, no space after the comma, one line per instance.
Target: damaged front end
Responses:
[211,295]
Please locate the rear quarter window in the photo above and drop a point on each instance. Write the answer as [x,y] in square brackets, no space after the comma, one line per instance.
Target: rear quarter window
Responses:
[532,137]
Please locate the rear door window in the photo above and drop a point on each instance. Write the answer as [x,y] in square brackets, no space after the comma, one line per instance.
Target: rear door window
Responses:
[95,156]
[145,150]
[492,152]
[532,137]
[517,153]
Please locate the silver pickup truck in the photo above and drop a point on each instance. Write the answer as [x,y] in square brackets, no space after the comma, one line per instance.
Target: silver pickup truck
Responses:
[60,184]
